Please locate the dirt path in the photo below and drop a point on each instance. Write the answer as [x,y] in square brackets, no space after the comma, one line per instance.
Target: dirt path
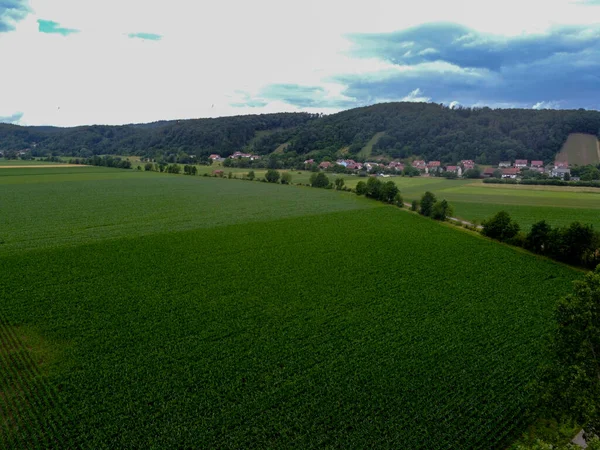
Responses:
[454,219]
[41,166]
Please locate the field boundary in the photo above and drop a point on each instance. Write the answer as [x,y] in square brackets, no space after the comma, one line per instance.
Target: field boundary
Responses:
[43,166]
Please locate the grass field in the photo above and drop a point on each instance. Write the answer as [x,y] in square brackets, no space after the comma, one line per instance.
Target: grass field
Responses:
[580,149]
[21,162]
[216,313]
[366,151]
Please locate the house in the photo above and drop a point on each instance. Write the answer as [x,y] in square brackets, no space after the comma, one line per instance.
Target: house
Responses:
[505,164]
[560,172]
[456,169]
[561,164]
[433,164]
[396,165]
[215,156]
[238,155]
[309,161]
[537,169]
[511,172]
[520,163]
[419,164]
[537,164]
[325,165]
[489,172]
[467,164]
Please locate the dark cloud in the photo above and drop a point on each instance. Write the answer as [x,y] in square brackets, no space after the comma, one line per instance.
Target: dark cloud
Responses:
[50,27]
[12,11]
[465,47]
[15,118]
[447,63]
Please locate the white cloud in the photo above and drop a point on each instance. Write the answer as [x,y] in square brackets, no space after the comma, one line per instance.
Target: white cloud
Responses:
[546,105]
[212,48]
[416,96]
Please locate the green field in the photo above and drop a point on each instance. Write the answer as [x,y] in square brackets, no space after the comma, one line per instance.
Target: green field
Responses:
[580,149]
[21,162]
[366,151]
[145,310]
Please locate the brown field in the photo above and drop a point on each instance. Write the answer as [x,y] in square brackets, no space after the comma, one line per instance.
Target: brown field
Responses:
[580,149]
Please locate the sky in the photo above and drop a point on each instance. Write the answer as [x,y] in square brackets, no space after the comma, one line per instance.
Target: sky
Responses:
[77,62]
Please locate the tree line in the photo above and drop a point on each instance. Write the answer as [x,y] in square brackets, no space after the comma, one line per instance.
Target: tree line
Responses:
[426,130]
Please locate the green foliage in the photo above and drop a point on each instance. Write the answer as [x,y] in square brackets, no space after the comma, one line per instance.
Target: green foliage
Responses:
[441,210]
[500,227]
[286,178]
[272,176]
[319,180]
[538,237]
[251,175]
[196,339]
[339,183]
[426,204]
[148,167]
[414,206]
[472,173]
[572,381]
[398,200]
[361,188]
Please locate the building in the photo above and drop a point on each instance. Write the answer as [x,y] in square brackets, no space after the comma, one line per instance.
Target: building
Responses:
[537,164]
[215,156]
[467,164]
[419,164]
[561,164]
[489,172]
[510,172]
[309,161]
[456,169]
[560,172]
[521,163]
[505,164]
[325,165]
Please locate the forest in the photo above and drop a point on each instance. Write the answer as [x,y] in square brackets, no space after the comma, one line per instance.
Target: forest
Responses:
[424,130]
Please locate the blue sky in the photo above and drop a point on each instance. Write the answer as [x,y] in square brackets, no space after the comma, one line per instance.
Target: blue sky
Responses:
[88,64]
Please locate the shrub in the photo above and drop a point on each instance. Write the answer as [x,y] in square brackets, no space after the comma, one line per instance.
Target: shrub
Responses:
[286,178]
[319,180]
[414,206]
[361,188]
[427,202]
[399,201]
[272,176]
[500,227]
[441,210]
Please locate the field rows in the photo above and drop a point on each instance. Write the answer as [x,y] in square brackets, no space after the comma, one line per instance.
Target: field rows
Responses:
[377,330]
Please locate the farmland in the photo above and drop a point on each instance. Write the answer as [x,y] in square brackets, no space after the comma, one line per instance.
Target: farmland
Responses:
[580,149]
[153,310]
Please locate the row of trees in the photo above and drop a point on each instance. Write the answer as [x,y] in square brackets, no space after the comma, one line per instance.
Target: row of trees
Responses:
[376,189]
[429,206]
[576,244]
[427,130]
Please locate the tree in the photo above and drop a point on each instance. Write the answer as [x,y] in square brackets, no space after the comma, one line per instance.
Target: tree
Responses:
[414,206]
[286,178]
[148,167]
[251,175]
[361,188]
[339,183]
[388,192]
[537,238]
[500,227]
[472,173]
[398,200]
[374,187]
[427,202]
[272,176]
[572,381]
[319,180]
[441,210]
[497,174]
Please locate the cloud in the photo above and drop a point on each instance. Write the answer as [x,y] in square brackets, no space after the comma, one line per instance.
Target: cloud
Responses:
[296,95]
[546,105]
[50,27]
[14,118]
[11,11]
[416,96]
[145,36]
[466,47]
[587,2]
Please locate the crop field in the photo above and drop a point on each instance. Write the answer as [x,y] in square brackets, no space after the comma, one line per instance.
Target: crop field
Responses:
[55,206]
[580,149]
[143,310]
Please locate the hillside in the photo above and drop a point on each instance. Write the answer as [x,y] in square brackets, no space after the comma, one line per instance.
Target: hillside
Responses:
[580,149]
[393,130]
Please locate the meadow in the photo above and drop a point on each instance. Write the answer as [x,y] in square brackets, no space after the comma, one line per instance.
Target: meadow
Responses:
[149,310]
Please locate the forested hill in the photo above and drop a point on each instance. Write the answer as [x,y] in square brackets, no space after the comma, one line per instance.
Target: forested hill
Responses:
[427,130]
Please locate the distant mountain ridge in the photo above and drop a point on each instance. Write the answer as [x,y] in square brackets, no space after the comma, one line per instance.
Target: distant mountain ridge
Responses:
[391,130]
